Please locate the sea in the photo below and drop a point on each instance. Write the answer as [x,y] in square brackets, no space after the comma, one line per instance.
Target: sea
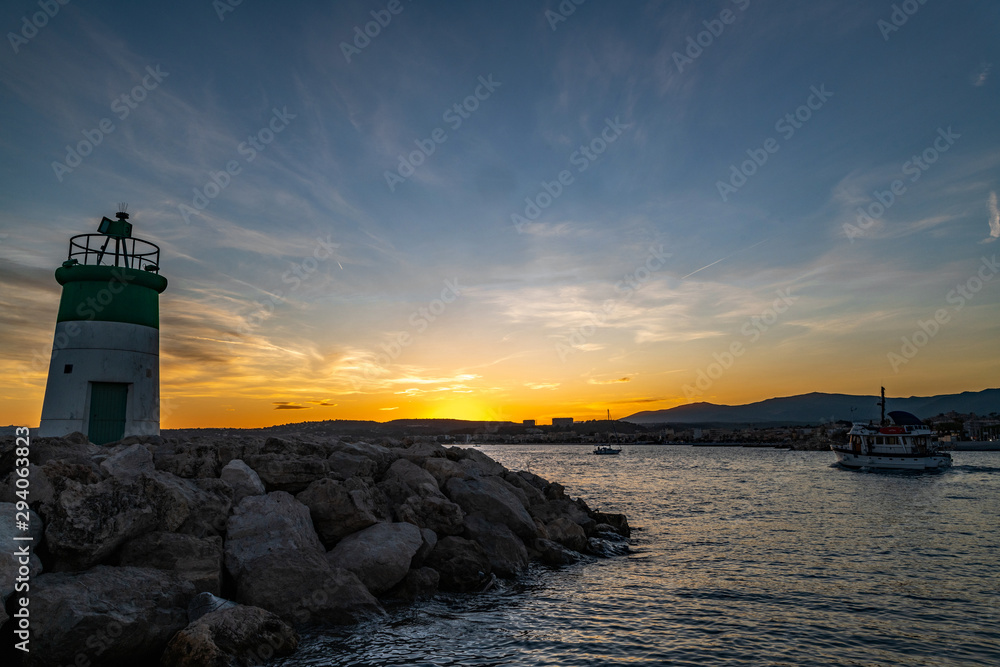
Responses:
[739,556]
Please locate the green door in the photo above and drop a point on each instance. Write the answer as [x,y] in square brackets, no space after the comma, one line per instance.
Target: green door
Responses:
[108,401]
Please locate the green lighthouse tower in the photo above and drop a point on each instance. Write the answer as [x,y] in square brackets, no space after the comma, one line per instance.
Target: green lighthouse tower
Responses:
[104,376]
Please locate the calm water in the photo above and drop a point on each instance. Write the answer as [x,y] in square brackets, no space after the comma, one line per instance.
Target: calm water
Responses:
[744,557]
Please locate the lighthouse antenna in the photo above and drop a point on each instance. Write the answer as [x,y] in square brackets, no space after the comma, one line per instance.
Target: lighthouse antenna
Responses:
[122,213]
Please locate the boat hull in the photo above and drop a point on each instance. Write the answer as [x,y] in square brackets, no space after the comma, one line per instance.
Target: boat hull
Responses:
[898,462]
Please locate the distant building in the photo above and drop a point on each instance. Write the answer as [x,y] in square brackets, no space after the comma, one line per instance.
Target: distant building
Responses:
[562,421]
[528,422]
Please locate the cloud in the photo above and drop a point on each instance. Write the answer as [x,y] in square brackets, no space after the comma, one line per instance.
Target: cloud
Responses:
[615,381]
[548,385]
[980,77]
[994,219]
[284,405]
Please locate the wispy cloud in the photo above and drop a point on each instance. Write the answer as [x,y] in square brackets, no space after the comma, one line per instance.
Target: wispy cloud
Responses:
[982,75]
[994,219]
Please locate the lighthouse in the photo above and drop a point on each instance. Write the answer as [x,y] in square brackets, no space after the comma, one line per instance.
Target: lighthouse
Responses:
[104,375]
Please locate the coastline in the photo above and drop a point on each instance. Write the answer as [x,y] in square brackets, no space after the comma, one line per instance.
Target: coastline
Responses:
[209,550]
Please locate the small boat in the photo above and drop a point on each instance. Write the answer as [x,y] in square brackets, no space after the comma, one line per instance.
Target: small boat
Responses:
[905,444]
[608,449]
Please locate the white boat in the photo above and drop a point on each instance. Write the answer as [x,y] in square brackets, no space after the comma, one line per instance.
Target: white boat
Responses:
[608,449]
[905,444]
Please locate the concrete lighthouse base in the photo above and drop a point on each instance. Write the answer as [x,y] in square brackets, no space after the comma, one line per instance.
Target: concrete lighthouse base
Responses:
[104,381]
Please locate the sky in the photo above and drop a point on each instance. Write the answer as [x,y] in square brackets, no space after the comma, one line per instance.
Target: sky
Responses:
[518,210]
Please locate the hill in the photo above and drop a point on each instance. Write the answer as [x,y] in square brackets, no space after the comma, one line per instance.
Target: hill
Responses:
[819,407]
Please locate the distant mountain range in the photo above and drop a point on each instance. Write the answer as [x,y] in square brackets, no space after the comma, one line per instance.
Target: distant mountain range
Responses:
[817,408]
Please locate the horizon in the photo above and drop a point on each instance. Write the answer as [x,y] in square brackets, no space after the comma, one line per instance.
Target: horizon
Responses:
[500,213]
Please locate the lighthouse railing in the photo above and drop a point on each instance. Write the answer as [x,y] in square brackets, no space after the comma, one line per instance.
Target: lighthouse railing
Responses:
[104,250]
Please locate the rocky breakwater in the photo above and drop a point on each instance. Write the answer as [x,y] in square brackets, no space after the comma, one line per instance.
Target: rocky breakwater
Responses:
[214,551]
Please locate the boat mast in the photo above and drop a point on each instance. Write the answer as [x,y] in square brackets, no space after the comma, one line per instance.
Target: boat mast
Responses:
[882,405]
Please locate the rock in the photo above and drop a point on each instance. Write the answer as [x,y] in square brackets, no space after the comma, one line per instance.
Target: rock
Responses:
[264,525]
[88,522]
[430,540]
[421,451]
[189,459]
[462,564]
[475,460]
[278,563]
[195,559]
[302,588]
[618,522]
[198,507]
[344,466]
[438,514]
[507,553]
[381,456]
[493,498]
[206,603]
[294,449]
[282,472]
[552,553]
[128,463]
[243,479]
[10,557]
[445,469]
[40,490]
[606,548]
[106,616]
[339,508]
[416,480]
[418,584]
[529,494]
[551,510]
[231,637]
[380,555]
[74,448]
[567,533]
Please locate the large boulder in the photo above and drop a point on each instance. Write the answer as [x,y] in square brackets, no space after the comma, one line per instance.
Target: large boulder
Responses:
[506,552]
[493,498]
[288,465]
[418,584]
[462,564]
[106,616]
[188,459]
[478,463]
[198,507]
[263,525]
[380,456]
[551,510]
[303,588]
[233,636]
[379,555]
[419,452]
[445,469]
[415,479]
[553,553]
[195,559]
[568,533]
[243,479]
[278,563]
[436,513]
[128,463]
[85,523]
[339,508]
[344,466]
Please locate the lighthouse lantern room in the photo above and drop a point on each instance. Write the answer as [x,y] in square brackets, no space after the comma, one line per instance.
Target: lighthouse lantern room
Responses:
[104,375]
